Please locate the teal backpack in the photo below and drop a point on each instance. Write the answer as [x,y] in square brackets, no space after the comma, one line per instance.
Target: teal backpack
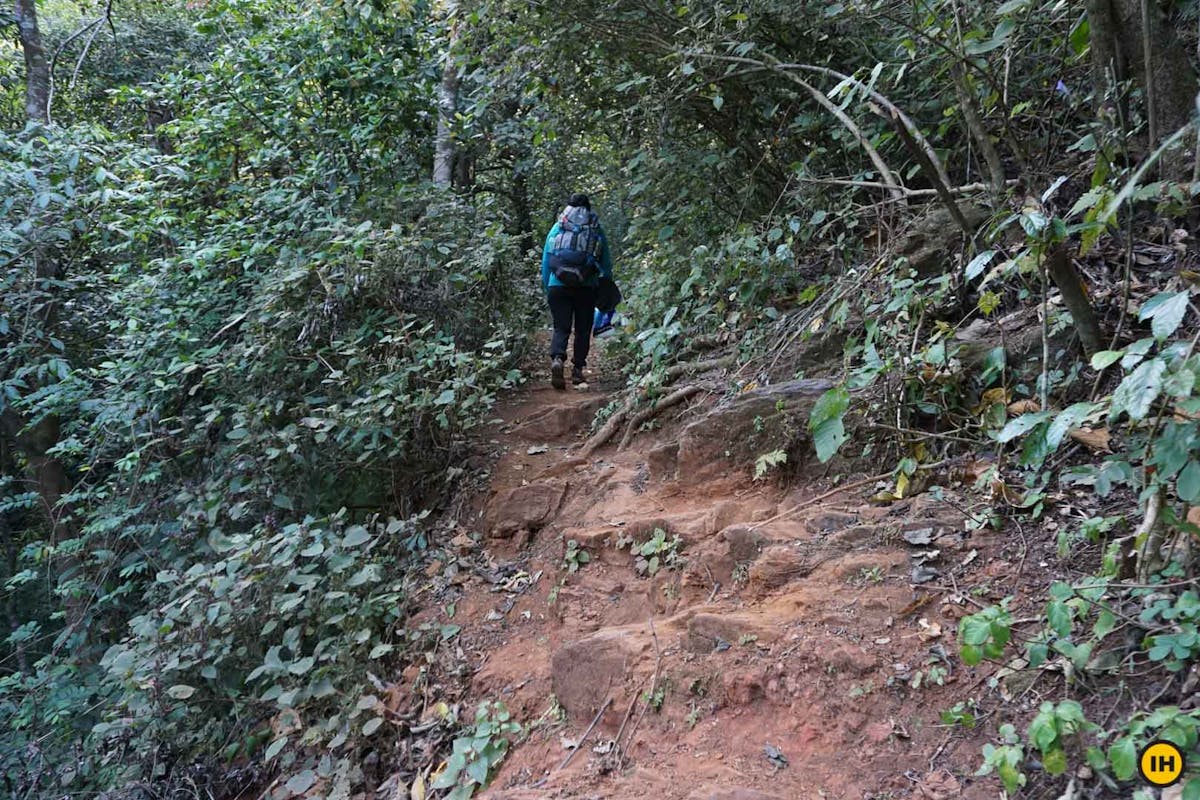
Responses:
[575,249]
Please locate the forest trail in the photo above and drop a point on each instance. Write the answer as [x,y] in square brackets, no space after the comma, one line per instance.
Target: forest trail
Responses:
[779,658]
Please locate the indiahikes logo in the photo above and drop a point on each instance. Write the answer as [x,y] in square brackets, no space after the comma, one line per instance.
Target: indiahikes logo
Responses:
[1161,763]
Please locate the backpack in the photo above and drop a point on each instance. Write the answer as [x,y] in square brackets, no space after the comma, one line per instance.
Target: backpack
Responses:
[575,249]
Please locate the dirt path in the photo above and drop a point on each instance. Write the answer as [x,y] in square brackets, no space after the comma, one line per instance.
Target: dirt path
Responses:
[787,660]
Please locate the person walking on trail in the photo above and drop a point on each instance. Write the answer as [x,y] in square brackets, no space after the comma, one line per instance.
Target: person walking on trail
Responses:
[574,260]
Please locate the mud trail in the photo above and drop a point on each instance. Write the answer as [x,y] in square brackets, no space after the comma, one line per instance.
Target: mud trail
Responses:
[791,659]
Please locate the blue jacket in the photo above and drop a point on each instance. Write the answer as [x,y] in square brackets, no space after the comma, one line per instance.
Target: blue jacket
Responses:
[549,279]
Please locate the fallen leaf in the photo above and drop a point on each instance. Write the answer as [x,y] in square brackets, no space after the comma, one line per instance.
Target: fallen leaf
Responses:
[1001,490]
[940,785]
[463,542]
[568,743]
[417,792]
[929,630]
[775,756]
[1093,438]
[990,398]
[1020,407]
[919,536]
[971,556]
[922,574]
[536,449]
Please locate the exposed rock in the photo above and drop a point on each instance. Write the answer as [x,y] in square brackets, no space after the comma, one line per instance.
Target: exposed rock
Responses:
[583,673]
[556,421]
[852,537]
[706,632]
[663,461]
[777,566]
[828,521]
[743,688]
[848,658]
[929,244]
[730,793]
[527,507]
[731,436]
[742,543]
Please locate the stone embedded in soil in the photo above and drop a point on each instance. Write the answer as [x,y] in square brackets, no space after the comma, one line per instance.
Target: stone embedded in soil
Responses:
[526,507]
[663,461]
[829,521]
[730,793]
[560,420]
[731,436]
[853,537]
[743,544]
[848,658]
[778,566]
[744,688]
[705,631]
[585,672]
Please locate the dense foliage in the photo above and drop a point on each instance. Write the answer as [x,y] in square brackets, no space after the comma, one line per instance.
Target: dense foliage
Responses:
[243,334]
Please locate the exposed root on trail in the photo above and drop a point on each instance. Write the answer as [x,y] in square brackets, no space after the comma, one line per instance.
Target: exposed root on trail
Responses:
[618,418]
[673,399]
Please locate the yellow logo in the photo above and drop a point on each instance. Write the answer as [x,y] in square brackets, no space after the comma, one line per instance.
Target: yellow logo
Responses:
[1161,763]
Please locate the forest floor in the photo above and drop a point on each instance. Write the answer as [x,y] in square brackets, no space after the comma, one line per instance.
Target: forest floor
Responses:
[791,658]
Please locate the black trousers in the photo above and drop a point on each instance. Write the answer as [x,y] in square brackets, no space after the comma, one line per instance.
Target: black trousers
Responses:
[572,307]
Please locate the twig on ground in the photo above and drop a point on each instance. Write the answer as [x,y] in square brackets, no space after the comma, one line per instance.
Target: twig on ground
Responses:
[649,694]
[586,734]
[839,490]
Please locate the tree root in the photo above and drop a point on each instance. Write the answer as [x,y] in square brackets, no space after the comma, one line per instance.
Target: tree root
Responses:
[674,398]
[610,427]
[600,437]
[697,367]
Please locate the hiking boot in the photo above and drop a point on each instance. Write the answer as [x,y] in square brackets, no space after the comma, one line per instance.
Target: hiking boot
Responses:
[577,376]
[556,373]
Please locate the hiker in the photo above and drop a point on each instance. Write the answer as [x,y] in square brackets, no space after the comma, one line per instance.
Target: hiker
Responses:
[574,261]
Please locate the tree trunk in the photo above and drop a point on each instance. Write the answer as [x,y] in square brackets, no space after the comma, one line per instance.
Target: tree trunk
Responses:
[1074,294]
[1134,39]
[46,471]
[37,69]
[447,101]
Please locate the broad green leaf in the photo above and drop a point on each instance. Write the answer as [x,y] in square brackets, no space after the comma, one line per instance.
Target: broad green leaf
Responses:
[1165,312]
[1139,390]
[1019,426]
[181,691]
[1058,616]
[1055,761]
[1064,422]
[1123,758]
[828,438]
[275,747]
[355,535]
[301,782]
[975,266]
[302,665]
[1187,485]
[829,405]
[1106,358]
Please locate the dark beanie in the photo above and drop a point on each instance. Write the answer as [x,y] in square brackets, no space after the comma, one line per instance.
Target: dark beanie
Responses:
[580,201]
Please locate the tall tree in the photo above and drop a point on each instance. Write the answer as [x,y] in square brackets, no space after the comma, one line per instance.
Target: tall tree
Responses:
[444,150]
[1133,39]
[37,68]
